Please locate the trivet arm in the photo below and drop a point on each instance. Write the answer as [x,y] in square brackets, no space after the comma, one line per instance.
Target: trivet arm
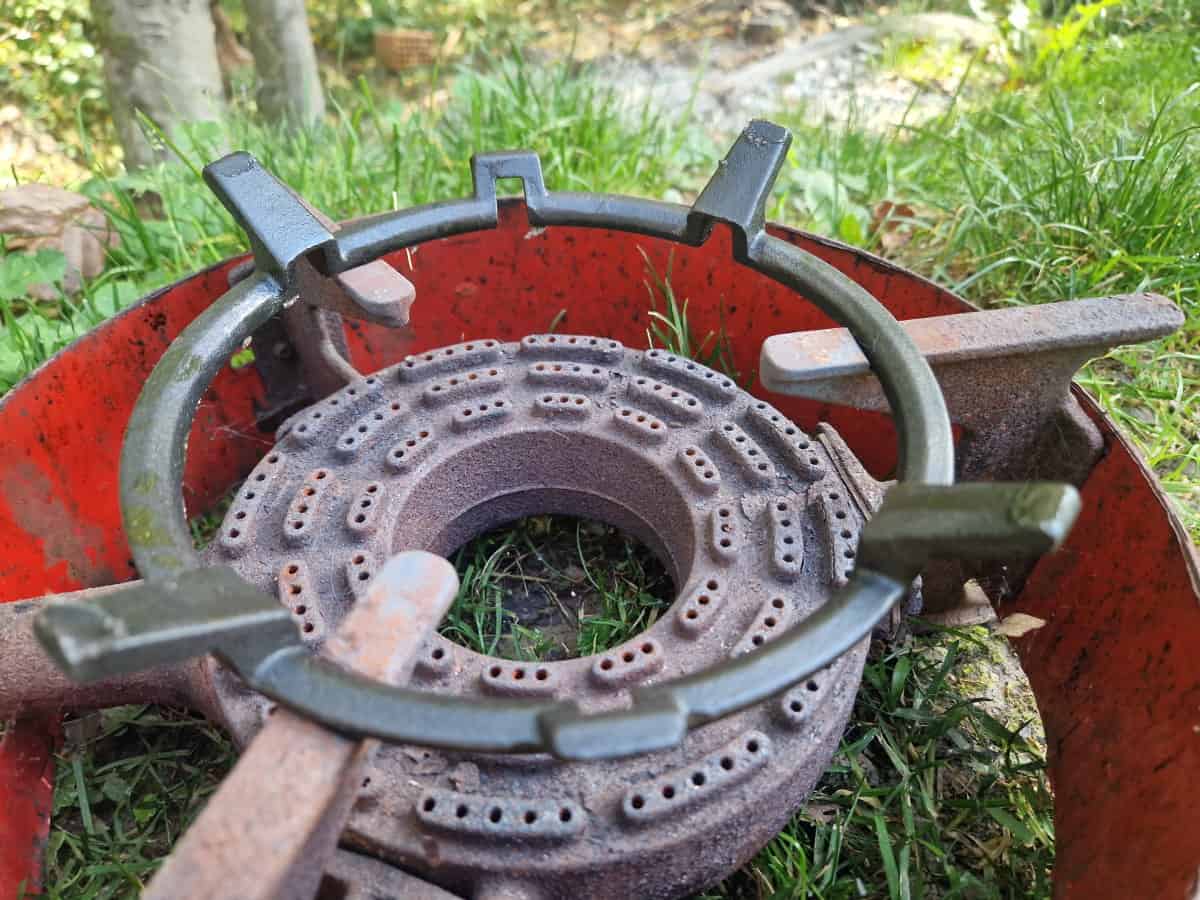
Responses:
[1005,375]
[274,823]
[32,681]
[116,633]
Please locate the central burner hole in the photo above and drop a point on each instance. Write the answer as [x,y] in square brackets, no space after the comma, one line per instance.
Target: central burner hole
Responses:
[555,587]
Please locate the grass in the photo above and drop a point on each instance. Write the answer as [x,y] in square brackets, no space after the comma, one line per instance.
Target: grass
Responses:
[1068,187]
[1036,198]
[373,155]
[930,794]
[128,785]
[554,587]
[670,328]
[1055,205]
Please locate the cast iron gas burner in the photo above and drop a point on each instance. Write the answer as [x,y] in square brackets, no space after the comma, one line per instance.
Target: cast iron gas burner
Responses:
[755,520]
[308,628]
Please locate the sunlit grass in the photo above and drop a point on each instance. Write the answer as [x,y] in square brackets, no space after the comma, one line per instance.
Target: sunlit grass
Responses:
[1039,197]
[373,155]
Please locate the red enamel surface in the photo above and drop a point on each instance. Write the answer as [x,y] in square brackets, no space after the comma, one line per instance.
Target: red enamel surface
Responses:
[26,785]
[60,442]
[1116,668]
[1116,672]
[60,526]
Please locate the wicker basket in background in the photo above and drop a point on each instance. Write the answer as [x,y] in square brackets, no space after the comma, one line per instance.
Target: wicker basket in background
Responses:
[398,49]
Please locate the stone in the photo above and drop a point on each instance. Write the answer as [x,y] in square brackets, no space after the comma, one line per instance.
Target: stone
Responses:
[41,216]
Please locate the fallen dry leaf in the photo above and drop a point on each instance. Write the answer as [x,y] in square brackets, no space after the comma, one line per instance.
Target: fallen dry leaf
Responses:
[1019,624]
[822,813]
[890,222]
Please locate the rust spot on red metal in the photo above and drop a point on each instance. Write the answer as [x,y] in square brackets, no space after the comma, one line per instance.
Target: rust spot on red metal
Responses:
[37,506]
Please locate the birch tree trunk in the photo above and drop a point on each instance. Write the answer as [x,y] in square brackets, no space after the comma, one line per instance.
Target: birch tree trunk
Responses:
[289,87]
[160,58]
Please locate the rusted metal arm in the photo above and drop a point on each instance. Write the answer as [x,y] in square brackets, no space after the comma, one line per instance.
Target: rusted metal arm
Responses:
[352,876]
[32,683]
[1005,374]
[375,292]
[272,827]
[285,232]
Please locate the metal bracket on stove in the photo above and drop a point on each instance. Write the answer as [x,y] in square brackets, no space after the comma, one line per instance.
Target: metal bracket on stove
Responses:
[737,194]
[288,235]
[124,631]
[1005,374]
[281,229]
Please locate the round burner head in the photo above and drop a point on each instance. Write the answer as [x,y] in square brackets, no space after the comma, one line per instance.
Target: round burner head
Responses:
[748,513]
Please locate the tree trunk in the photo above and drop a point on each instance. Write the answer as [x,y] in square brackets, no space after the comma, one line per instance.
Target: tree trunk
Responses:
[160,59]
[286,63]
[231,55]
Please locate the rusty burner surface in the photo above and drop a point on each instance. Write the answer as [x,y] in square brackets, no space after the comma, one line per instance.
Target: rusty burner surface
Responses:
[753,518]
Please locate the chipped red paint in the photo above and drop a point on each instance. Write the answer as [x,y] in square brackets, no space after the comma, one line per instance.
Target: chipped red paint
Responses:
[61,431]
[1116,669]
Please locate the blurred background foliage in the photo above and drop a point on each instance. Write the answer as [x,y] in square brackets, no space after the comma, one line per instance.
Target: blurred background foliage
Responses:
[49,69]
